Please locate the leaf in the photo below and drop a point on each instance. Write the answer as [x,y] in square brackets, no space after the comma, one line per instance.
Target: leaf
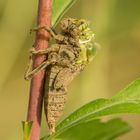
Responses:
[96,130]
[43,138]
[127,101]
[59,8]
[27,126]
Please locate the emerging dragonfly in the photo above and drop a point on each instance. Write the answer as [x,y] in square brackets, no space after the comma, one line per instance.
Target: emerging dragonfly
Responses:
[74,49]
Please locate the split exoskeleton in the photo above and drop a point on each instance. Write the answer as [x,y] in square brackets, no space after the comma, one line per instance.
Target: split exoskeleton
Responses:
[73,50]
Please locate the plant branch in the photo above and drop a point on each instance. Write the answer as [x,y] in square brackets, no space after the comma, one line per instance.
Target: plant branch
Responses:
[36,88]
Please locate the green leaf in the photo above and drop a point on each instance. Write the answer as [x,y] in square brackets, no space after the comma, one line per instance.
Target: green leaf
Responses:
[27,126]
[43,138]
[127,101]
[59,8]
[96,130]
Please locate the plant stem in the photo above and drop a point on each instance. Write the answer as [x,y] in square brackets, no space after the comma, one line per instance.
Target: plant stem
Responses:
[36,88]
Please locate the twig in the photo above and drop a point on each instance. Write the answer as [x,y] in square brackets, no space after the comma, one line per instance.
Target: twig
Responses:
[36,88]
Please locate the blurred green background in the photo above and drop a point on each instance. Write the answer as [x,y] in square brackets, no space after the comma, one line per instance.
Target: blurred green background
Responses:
[117,27]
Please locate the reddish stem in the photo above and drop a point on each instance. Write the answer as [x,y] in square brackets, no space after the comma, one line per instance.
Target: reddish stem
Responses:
[36,88]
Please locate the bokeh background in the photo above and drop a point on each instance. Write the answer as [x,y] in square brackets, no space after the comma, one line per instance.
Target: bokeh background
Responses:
[117,27]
